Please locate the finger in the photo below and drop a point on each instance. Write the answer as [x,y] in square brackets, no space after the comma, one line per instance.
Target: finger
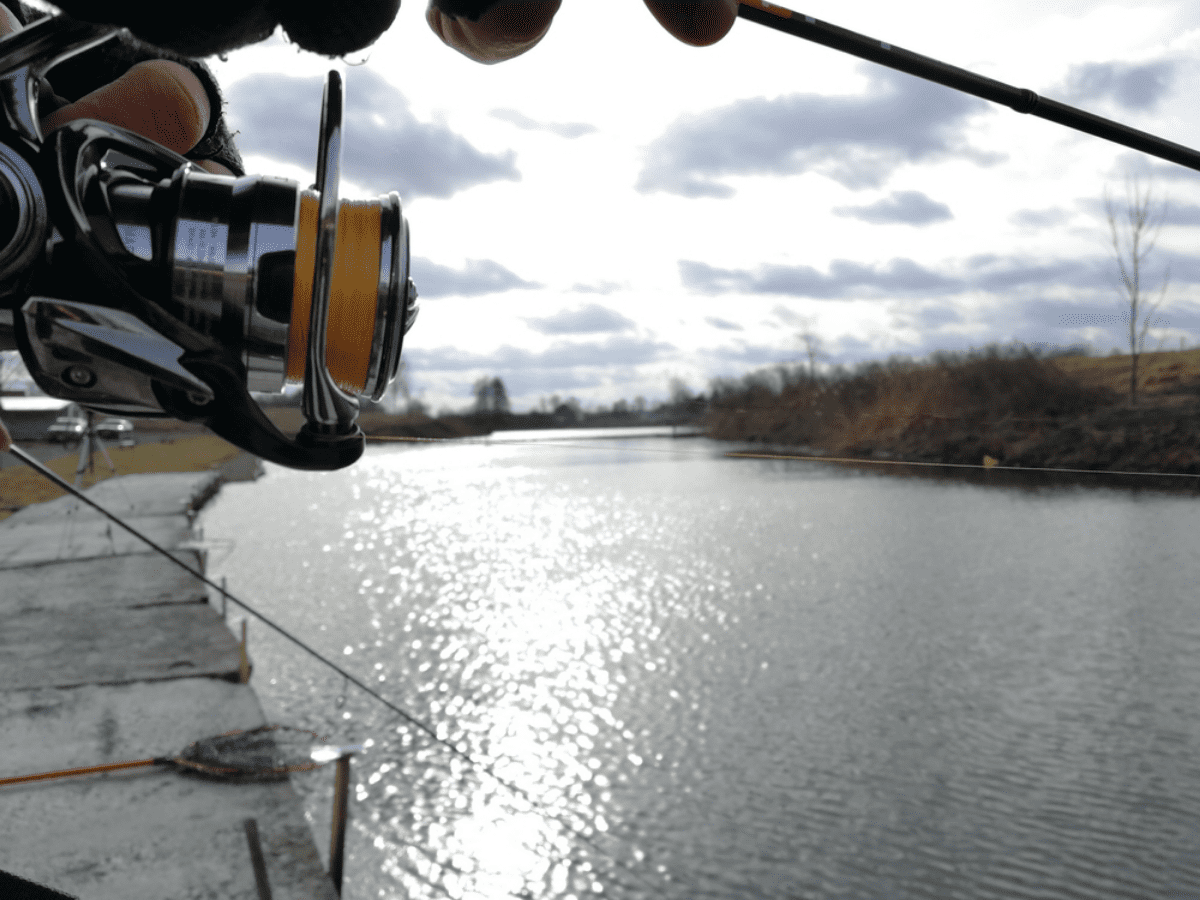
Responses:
[211,165]
[9,22]
[504,31]
[160,100]
[699,23]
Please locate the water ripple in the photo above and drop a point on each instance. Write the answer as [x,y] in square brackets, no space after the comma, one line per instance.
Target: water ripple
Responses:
[735,679]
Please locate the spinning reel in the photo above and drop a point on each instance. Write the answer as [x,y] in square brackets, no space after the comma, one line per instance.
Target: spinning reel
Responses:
[140,284]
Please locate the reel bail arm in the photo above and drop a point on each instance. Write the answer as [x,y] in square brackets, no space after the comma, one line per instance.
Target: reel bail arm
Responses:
[329,412]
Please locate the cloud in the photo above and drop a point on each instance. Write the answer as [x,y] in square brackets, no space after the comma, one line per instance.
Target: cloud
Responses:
[989,272]
[790,317]
[1066,322]
[927,316]
[561,355]
[750,354]
[723,324]
[569,130]
[1182,214]
[1040,218]
[590,319]
[845,280]
[902,277]
[602,287]
[478,276]
[858,140]
[1133,87]
[903,207]
[386,147]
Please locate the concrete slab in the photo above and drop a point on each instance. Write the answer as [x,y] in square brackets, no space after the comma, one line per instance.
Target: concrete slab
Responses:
[51,728]
[158,494]
[65,647]
[99,643]
[118,581]
[52,540]
[152,833]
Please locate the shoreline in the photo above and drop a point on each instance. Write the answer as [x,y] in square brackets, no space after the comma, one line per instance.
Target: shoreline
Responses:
[199,452]
[988,411]
[1138,442]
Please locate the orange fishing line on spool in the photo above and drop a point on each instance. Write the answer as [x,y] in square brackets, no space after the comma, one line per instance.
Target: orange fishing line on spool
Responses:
[353,295]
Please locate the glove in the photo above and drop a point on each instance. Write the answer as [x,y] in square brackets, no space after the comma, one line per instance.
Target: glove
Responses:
[491,31]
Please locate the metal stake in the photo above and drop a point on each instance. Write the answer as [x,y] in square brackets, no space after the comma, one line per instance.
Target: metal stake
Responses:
[341,807]
[256,859]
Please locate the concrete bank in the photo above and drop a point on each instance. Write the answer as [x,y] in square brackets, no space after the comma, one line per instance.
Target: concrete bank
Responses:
[107,653]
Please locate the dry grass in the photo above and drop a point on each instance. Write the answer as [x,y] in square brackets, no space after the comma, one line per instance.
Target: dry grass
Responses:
[1157,372]
[21,486]
[962,396]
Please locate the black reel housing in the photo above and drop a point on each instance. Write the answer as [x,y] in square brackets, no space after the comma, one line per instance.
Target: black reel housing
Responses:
[139,284]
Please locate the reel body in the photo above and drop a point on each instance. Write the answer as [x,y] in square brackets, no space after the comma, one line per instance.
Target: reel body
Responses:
[140,284]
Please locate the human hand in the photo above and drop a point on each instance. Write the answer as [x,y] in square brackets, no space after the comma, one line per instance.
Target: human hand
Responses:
[511,27]
[159,99]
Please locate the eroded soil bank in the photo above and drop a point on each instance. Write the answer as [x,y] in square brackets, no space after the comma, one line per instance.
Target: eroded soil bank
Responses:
[1068,414]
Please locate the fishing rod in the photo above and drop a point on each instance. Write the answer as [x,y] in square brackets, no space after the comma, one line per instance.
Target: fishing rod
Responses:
[1020,100]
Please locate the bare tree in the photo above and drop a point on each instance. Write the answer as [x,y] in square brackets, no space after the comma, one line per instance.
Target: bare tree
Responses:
[1134,230]
[814,349]
[491,396]
[679,391]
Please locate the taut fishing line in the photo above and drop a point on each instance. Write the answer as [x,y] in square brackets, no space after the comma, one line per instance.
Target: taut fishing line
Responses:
[6,443]
[783,456]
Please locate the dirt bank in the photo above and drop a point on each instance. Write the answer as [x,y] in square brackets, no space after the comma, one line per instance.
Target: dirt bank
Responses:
[165,445]
[21,486]
[1015,412]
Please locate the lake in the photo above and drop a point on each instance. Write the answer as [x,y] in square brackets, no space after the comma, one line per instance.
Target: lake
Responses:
[731,678]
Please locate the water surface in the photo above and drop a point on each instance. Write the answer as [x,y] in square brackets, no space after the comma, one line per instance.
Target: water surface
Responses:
[733,678]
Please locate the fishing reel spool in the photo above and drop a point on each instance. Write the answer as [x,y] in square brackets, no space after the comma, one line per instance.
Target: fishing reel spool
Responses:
[140,284]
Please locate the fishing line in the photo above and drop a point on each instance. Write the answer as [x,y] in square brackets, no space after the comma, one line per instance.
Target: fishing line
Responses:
[850,460]
[543,811]
[549,816]
[795,457]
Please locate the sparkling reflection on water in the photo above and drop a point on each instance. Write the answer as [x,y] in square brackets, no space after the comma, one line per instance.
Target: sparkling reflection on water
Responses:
[733,678]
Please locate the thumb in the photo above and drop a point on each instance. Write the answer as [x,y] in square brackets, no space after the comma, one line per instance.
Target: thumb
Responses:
[699,23]
[158,99]
[503,31]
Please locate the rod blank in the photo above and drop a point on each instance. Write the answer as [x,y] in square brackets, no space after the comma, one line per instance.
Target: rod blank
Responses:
[1020,100]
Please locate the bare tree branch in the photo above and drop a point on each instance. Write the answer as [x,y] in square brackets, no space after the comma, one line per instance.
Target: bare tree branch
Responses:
[1134,231]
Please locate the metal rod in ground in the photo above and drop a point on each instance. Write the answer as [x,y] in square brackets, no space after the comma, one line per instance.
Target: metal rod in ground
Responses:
[1021,100]
[256,859]
[341,807]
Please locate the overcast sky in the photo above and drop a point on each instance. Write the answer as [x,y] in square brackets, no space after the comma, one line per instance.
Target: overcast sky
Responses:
[615,209]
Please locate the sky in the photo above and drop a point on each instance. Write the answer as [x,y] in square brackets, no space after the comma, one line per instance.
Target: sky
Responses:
[614,209]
